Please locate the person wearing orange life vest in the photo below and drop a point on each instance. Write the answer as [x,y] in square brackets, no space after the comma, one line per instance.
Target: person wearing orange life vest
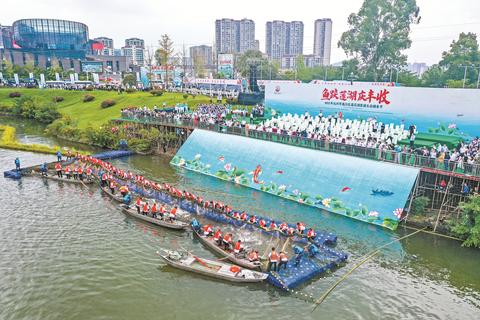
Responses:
[236,215]
[252,219]
[227,241]
[217,237]
[290,231]
[67,172]
[311,234]
[104,179]
[75,173]
[272,260]
[253,256]
[262,224]
[283,227]
[300,227]
[112,186]
[138,204]
[273,226]
[173,214]
[283,260]
[89,173]
[238,247]
[207,230]
[161,211]
[154,210]
[80,173]
[58,168]
[145,209]
[243,216]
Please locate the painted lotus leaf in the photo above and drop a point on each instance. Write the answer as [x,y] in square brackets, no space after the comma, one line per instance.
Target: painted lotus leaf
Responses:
[318,197]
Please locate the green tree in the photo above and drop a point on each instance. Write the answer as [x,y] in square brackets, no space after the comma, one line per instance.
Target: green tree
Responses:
[199,66]
[265,68]
[164,53]
[463,52]
[378,34]
[434,77]
[129,80]
[468,228]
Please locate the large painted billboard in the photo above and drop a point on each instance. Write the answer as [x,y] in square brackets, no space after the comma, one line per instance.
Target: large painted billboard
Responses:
[367,190]
[443,111]
[225,65]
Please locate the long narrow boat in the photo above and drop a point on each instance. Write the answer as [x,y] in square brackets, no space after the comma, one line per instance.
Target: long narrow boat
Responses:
[230,255]
[210,268]
[53,176]
[176,225]
[116,197]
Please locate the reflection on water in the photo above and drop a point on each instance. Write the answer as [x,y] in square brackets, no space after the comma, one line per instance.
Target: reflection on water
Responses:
[67,252]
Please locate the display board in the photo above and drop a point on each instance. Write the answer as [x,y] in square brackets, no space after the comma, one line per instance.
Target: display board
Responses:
[367,190]
[434,110]
[92,66]
[225,65]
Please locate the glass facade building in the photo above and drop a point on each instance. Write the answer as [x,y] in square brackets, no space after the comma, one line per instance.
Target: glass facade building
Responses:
[50,37]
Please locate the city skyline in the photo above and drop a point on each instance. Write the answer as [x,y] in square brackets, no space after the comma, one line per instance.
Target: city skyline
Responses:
[440,25]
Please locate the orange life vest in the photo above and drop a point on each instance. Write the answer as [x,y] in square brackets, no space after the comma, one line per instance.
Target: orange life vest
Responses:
[227,238]
[253,256]
[138,202]
[173,212]
[217,235]
[283,257]
[154,208]
[238,246]
[58,167]
[273,256]
[235,269]
[145,207]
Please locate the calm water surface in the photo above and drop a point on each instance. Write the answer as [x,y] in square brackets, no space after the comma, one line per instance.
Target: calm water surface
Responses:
[67,252]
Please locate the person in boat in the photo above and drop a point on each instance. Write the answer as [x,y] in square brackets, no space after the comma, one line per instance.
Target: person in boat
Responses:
[236,215]
[43,169]
[145,208]
[154,210]
[227,241]
[290,231]
[195,225]
[253,256]
[207,230]
[300,227]
[272,260]
[243,216]
[273,226]
[59,156]
[123,190]
[217,237]
[252,220]
[127,199]
[283,260]
[89,171]
[80,173]
[262,223]
[238,248]
[138,204]
[68,172]
[58,169]
[104,179]
[112,186]
[311,234]
[173,214]
[283,227]
[75,173]
[69,155]
[161,211]
[17,164]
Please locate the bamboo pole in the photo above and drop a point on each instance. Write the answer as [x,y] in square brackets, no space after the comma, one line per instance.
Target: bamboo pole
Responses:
[356,266]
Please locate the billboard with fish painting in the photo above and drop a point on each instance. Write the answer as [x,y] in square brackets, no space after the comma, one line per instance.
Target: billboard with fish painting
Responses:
[433,110]
[367,190]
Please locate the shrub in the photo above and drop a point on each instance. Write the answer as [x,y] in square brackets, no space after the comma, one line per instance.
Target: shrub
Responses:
[89,88]
[468,226]
[15,94]
[88,98]
[419,204]
[185,96]
[156,93]
[130,90]
[58,99]
[107,103]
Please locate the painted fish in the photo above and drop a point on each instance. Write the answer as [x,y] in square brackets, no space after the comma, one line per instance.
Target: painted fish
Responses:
[256,173]
[221,158]
[279,171]
[345,189]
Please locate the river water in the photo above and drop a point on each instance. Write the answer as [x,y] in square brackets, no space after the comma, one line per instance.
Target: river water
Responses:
[67,252]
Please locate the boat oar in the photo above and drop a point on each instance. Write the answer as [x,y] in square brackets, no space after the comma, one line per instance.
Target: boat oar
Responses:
[197,259]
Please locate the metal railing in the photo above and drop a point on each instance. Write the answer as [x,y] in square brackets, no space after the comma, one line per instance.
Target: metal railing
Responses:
[386,155]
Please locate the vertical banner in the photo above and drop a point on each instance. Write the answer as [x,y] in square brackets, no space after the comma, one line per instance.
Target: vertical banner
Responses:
[225,65]
[75,76]
[30,75]
[96,78]
[17,81]
[42,79]
[1,76]
[57,76]
[72,78]
[138,76]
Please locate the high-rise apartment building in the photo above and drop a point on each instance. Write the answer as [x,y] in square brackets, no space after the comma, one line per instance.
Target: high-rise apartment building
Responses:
[135,49]
[234,36]
[283,39]
[322,45]
[108,49]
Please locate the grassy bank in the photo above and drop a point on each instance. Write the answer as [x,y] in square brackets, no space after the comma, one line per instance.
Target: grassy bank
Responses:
[90,114]
[8,140]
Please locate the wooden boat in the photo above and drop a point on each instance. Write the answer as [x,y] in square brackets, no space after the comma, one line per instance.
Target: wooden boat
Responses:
[210,268]
[53,176]
[175,225]
[117,197]
[230,255]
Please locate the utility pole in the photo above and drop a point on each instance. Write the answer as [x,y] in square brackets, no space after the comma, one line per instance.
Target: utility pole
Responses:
[464,75]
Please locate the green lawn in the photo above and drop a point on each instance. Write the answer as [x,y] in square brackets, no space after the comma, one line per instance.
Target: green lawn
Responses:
[90,113]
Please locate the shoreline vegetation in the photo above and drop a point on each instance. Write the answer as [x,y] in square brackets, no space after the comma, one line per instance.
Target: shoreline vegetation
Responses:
[8,140]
